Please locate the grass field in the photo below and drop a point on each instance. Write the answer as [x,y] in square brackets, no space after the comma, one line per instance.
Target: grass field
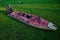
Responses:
[12,29]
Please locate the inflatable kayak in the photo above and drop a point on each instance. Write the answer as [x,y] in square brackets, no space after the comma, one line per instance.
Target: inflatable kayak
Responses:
[32,20]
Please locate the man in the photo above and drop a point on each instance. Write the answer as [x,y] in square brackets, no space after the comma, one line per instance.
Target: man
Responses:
[9,9]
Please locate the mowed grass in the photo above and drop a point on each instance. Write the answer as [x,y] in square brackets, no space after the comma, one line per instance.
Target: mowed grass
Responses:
[13,29]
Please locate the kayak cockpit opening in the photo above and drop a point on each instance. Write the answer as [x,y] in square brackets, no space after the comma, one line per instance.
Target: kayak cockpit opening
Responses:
[21,13]
[28,16]
[24,14]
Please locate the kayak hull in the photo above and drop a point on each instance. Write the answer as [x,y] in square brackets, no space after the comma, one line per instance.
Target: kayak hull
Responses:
[49,25]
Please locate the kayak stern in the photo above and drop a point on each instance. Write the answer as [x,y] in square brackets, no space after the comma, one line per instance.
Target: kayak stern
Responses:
[52,26]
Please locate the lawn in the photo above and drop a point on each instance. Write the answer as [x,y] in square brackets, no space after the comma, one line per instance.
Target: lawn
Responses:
[12,29]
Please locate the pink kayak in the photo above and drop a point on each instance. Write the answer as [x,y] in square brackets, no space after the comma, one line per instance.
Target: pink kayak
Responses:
[33,20]
[30,19]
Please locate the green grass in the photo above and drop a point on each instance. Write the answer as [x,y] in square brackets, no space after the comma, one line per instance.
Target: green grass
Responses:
[12,29]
